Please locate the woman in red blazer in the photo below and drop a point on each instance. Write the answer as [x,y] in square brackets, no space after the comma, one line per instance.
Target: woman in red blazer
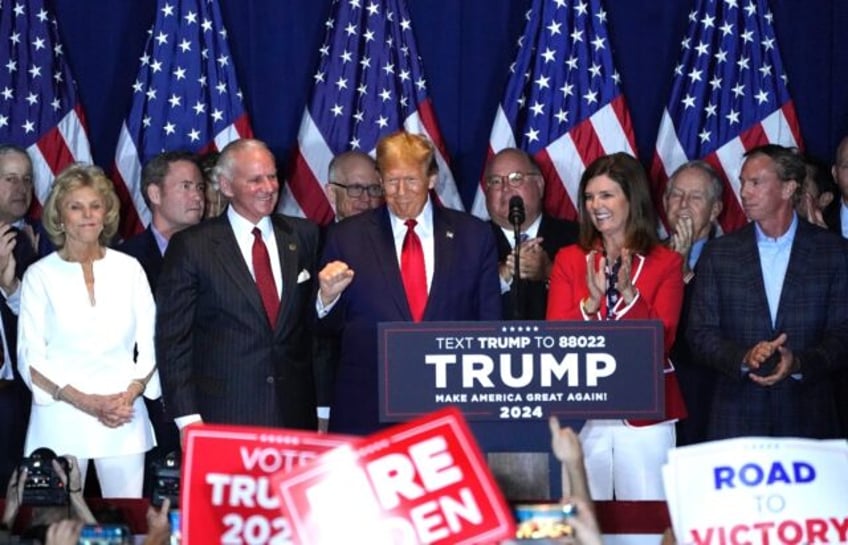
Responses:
[618,270]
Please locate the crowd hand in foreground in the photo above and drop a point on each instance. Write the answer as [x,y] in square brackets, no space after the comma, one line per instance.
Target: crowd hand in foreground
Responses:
[158,525]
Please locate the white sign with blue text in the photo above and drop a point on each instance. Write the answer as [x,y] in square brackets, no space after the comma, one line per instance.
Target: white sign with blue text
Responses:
[758,491]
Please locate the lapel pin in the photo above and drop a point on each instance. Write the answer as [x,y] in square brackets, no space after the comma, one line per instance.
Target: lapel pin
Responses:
[449,234]
[292,246]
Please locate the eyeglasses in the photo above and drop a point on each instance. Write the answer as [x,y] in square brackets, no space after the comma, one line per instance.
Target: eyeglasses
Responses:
[355,191]
[513,179]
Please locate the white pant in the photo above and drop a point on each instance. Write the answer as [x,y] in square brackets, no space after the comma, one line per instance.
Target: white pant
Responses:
[626,460]
[119,476]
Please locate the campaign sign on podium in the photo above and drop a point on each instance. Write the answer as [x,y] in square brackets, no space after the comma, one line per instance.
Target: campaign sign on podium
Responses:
[500,371]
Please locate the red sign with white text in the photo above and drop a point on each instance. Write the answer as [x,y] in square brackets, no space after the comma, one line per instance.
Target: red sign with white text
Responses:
[420,482]
[226,494]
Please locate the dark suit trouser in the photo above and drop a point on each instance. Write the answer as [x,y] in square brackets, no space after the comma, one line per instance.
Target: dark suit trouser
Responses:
[14,418]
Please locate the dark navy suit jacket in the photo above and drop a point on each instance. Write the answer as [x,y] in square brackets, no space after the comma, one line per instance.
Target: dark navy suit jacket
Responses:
[216,351]
[556,234]
[464,287]
[831,216]
[143,247]
[15,397]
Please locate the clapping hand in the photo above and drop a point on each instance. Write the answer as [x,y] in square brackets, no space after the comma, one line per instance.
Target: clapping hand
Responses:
[596,280]
[533,261]
[8,241]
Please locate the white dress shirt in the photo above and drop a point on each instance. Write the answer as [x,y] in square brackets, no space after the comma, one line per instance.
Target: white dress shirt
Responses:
[243,230]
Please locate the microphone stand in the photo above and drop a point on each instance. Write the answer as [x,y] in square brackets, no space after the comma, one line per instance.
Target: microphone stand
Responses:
[517,288]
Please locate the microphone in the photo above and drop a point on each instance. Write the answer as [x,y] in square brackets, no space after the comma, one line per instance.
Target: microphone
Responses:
[516,211]
[516,218]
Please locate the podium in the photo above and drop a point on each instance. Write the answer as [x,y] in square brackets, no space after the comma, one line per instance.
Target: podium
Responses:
[508,377]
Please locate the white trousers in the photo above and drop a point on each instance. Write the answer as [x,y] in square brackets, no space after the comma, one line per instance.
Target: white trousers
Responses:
[625,462]
[119,476]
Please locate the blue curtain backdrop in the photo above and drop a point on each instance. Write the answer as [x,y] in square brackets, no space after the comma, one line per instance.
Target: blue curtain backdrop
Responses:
[467,46]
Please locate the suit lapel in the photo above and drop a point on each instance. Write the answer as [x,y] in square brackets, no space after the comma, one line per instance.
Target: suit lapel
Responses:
[443,257]
[799,259]
[385,257]
[504,248]
[749,262]
[287,253]
[229,257]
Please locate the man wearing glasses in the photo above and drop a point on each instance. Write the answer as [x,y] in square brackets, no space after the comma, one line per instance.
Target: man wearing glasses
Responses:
[354,185]
[510,173]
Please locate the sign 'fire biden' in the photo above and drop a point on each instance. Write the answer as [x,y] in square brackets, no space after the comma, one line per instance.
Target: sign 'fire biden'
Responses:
[420,482]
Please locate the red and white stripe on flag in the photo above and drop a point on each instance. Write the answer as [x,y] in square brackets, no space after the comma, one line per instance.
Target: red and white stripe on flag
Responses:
[369,83]
[780,127]
[729,95]
[126,173]
[39,111]
[185,97]
[563,103]
[64,144]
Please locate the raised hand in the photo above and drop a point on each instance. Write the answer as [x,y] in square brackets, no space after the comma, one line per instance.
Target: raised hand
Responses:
[596,280]
[333,279]
[681,239]
[565,443]
[8,241]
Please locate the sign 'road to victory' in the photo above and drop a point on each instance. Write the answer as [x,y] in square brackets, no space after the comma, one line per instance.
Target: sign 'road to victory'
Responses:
[522,370]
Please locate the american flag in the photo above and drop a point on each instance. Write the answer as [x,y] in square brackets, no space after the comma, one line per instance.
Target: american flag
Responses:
[185,97]
[369,83]
[563,103]
[729,95]
[38,104]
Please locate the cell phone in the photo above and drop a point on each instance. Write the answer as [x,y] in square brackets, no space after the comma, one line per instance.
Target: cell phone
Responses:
[105,534]
[543,522]
[176,533]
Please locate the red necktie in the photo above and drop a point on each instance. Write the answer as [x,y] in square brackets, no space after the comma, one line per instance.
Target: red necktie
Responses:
[265,278]
[413,273]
